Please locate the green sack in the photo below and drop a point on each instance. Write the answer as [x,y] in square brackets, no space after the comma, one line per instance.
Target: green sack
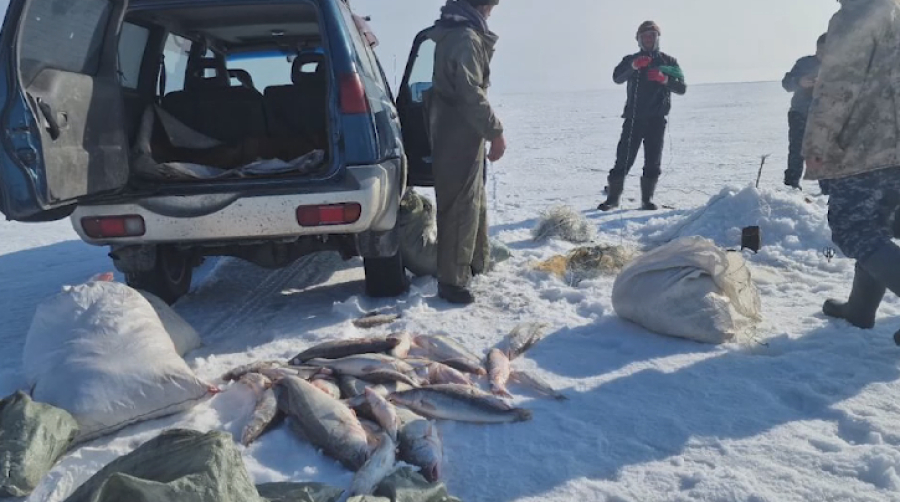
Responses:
[407,485]
[176,466]
[33,436]
[299,492]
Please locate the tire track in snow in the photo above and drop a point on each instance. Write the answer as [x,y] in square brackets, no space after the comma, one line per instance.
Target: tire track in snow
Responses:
[245,308]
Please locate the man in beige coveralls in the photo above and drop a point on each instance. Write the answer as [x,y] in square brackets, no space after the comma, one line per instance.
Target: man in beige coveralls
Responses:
[461,120]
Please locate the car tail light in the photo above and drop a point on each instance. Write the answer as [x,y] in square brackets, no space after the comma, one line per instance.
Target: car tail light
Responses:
[113,226]
[353,94]
[332,214]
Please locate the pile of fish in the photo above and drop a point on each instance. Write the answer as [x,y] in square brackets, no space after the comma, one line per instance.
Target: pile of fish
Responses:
[369,402]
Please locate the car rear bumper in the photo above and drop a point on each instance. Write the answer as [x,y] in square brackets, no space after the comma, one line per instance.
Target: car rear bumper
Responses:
[227,217]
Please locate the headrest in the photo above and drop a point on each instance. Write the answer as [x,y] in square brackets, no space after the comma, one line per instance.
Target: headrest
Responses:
[197,79]
[300,77]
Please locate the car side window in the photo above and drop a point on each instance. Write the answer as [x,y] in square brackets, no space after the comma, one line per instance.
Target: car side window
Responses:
[132,45]
[422,72]
[175,54]
[65,36]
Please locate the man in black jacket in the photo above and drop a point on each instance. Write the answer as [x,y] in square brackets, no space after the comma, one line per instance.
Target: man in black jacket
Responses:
[801,81]
[652,77]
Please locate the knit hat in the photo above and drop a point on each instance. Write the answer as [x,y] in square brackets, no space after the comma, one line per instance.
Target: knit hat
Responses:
[480,3]
[648,26]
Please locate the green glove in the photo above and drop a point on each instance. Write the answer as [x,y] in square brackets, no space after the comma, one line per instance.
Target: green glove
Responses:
[672,71]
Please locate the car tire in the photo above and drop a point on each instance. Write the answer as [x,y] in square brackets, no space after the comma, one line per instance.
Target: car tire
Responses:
[170,278]
[385,277]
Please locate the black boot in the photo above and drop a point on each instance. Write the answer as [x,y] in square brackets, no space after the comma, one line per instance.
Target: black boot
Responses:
[865,297]
[616,187]
[648,188]
[455,294]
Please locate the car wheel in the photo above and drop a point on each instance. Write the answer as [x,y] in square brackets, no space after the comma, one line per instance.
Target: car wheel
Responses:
[171,277]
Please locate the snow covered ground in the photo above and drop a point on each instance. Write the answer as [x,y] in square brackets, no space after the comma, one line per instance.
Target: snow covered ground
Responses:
[805,410]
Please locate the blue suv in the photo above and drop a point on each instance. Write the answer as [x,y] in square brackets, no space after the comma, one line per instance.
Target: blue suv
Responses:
[172,130]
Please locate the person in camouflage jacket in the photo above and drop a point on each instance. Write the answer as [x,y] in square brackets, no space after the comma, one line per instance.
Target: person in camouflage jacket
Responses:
[853,140]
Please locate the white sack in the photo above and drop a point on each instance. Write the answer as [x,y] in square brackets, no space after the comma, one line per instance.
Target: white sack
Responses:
[689,288]
[101,351]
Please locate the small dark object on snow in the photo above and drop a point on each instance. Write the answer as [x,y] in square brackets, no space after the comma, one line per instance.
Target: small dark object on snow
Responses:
[751,238]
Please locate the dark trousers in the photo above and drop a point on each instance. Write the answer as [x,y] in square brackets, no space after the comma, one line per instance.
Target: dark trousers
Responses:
[650,132]
[862,211]
[796,132]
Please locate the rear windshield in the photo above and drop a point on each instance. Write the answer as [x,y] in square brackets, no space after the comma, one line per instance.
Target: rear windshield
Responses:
[265,69]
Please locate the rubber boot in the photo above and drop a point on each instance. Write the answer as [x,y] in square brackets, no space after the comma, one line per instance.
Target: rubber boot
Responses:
[648,188]
[865,297]
[616,187]
[456,295]
[885,265]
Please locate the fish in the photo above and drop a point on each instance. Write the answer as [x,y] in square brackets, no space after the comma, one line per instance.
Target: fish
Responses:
[376,468]
[303,371]
[459,403]
[372,432]
[374,319]
[237,373]
[351,386]
[324,421]
[536,384]
[437,373]
[359,402]
[444,350]
[384,412]
[382,389]
[389,376]
[404,344]
[266,410]
[523,337]
[363,364]
[344,348]
[421,444]
[498,372]
[327,385]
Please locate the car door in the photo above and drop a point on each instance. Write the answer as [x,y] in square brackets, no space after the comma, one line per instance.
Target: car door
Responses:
[417,81]
[63,136]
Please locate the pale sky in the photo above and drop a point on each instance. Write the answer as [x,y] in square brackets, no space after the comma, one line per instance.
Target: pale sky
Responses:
[575,44]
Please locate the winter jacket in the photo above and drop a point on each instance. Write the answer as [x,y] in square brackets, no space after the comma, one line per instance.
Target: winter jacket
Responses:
[647,98]
[462,60]
[805,67]
[854,122]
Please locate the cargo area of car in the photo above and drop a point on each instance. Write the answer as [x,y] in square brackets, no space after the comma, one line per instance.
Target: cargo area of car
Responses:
[225,93]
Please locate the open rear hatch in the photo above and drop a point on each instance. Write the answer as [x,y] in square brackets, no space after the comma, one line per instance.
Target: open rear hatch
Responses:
[241,94]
